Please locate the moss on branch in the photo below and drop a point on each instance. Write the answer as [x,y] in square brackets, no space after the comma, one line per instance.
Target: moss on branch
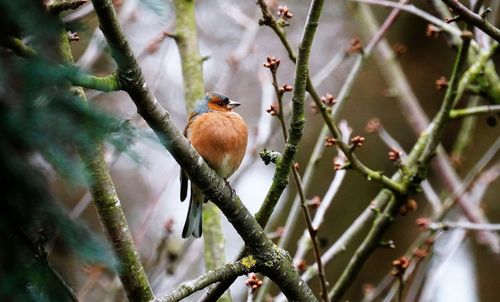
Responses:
[76,77]
[186,38]
[221,274]
[111,215]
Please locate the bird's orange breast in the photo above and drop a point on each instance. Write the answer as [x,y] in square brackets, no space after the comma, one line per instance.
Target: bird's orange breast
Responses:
[220,138]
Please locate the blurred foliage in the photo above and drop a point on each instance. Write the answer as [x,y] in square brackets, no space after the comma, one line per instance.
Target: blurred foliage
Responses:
[42,121]
[159,7]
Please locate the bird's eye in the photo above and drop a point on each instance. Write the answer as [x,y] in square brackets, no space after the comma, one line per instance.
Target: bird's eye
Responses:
[220,103]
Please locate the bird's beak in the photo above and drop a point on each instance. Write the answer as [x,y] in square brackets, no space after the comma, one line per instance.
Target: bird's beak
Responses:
[233,104]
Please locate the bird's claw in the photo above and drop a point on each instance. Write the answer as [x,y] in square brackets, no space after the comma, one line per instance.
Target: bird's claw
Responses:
[233,192]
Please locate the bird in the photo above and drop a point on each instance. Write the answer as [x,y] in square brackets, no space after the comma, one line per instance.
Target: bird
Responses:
[220,136]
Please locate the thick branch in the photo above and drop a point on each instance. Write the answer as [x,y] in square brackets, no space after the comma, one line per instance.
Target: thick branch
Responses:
[111,215]
[60,6]
[112,218]
[280,179]
[187,43]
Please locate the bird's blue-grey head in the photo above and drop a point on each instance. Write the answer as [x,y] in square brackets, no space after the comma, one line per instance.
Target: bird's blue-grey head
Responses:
[214,101]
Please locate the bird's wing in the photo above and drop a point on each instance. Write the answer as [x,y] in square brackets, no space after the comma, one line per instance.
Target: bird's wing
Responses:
[183,176]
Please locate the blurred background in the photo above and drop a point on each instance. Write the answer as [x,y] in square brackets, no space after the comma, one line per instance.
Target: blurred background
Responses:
[146,176]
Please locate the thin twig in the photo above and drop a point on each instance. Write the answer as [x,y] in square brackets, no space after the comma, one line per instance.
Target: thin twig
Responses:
[416,11]
[303,244]
[445,225]
[307,180]
[461,113]
[313,232]
[279,95]
[465,134]
[353,161]
[429,192]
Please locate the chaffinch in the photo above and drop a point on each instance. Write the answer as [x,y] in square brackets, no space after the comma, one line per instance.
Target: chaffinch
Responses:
[220,136]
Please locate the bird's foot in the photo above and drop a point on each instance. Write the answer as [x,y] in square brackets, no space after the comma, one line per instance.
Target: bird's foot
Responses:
[233,192]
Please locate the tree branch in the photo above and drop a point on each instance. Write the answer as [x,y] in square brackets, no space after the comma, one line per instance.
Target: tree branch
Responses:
[187,288]
[60,6]
[18,47]
[187,42]
[461,113]
[440,120]
[354,162]
[446,225]
[111,215]
[104,83]
[465,134]
[76,77]
[470,181]
[280,178]
[410,8]
[473,18]
[313,232]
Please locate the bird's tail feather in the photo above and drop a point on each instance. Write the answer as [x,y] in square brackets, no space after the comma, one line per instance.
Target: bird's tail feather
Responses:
[193,226]
[184,185]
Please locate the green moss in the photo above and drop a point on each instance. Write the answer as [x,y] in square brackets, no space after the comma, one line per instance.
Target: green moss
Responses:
[248,262]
